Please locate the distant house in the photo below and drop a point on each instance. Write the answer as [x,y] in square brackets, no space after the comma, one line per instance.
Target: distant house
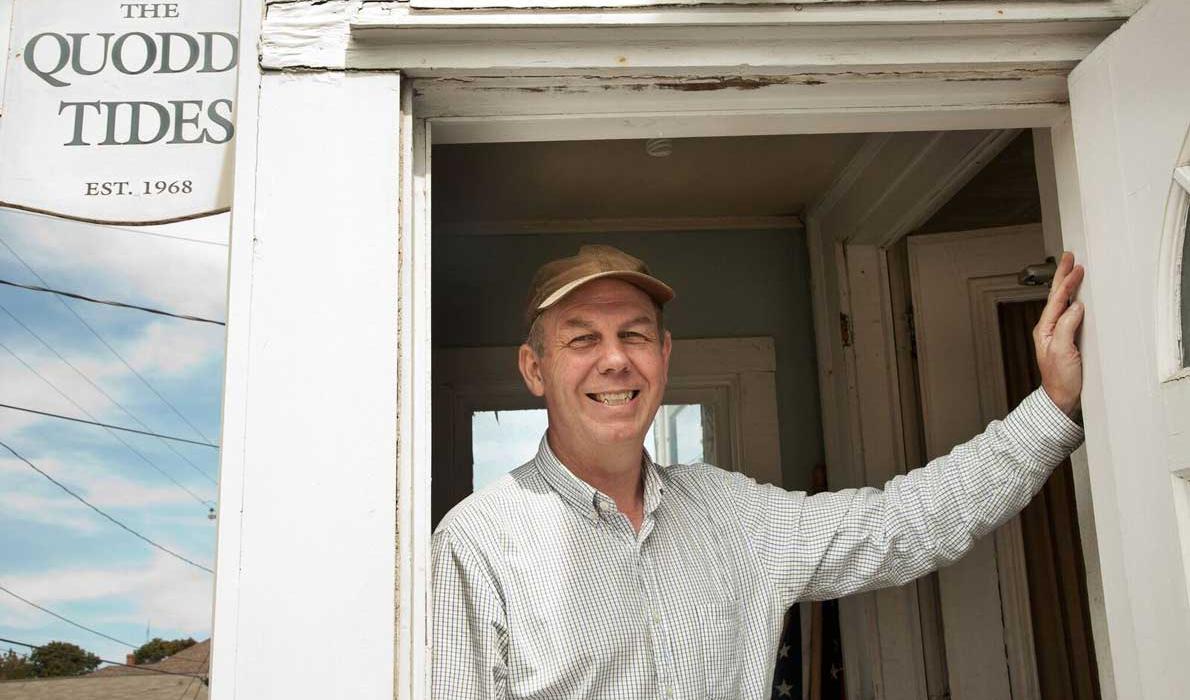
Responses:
[121,683]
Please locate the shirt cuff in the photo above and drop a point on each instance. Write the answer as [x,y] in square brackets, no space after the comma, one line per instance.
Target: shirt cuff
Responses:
[1042,429]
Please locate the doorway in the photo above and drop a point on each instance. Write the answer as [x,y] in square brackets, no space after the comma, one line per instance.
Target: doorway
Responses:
[717,218]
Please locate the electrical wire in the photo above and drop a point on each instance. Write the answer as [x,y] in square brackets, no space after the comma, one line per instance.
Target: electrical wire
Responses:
[119,439]
[205,664]
[109,302]
[109,397]
[105,425]
[110,227]
[84,501]
[66,620]
[113,663]
[107,345]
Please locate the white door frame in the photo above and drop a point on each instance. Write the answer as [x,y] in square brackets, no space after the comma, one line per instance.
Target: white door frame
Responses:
[908,67]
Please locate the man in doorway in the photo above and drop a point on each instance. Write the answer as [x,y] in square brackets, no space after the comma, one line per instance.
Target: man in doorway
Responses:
[591,572]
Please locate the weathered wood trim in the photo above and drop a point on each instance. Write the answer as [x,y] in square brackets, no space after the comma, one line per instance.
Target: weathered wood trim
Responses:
[353,34]
[903,670]
[896,182]
[856,613]
[1058,7]
[414,357]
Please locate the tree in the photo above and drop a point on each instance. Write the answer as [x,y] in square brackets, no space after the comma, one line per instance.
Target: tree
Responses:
[62,659]
[157,649]
[14,667]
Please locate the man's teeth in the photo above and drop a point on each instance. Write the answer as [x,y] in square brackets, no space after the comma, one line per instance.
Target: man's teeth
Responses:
[614,398]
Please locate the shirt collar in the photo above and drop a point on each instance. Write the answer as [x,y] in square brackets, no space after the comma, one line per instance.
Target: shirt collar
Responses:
[586,498]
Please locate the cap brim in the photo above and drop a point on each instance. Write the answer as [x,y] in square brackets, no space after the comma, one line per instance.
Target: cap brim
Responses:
[659,291]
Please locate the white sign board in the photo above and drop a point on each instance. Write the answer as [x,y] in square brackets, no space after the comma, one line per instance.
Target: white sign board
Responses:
[119,112]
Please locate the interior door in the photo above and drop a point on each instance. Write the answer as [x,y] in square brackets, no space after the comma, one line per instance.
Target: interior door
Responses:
[1023,593]
[957,280]
[1130,115]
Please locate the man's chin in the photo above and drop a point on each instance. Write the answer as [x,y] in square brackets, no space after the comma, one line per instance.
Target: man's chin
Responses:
[618,436]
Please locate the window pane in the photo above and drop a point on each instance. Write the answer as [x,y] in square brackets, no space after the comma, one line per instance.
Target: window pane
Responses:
[1186,294]
[678,434]
[504,440]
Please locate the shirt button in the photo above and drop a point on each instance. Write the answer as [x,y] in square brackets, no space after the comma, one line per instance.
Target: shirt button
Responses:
[669,691]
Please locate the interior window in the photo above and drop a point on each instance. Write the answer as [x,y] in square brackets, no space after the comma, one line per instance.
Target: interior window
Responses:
[1185,287]
[504,440]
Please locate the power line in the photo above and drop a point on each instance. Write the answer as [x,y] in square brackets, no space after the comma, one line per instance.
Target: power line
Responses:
[107,345]
[108,302]
[118,439]
[113,663]
[205,664]
[84,501]
[66,620]
[106,425]
[109,227]
[106,395]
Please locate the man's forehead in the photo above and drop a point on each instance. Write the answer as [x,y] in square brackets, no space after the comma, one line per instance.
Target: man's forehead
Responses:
[580,321]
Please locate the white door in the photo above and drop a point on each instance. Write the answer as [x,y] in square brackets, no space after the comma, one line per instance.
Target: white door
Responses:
[1130,112]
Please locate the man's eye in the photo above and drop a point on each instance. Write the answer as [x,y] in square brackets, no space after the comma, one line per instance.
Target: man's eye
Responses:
[582,340]
[634,337]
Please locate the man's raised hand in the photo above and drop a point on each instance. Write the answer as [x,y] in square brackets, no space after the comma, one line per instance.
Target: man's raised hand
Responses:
[1058,357]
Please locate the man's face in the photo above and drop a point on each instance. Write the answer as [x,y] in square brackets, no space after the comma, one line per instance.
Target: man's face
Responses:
[604,366]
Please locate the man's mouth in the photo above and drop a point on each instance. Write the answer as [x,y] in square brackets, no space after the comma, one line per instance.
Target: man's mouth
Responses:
[614,398]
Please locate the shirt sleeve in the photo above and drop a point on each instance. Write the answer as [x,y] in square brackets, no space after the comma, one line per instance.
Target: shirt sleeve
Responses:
[470,630]
[834,544]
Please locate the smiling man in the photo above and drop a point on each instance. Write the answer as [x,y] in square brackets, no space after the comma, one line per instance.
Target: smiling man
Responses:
[592,572]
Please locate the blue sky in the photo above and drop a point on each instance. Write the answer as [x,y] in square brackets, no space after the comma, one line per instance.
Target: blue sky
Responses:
[53,550]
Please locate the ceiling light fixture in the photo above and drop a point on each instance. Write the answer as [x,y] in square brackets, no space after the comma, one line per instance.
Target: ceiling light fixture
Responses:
[659,148]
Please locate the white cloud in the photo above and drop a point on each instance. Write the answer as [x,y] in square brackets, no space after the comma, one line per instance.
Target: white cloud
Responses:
[166,591]
[169,348]
[160,349]
[26,495]
[154,270]
[59,511]
[24,387]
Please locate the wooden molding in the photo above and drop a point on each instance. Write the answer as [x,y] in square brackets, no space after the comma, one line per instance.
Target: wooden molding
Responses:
[340,34]
[896,182]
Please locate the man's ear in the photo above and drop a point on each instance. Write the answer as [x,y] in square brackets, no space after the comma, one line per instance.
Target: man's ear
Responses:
[667,344]
[530,366]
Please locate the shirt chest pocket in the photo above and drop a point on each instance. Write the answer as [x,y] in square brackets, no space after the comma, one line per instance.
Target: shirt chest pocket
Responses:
[719,647]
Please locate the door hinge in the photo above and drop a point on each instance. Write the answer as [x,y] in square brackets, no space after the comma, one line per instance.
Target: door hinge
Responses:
[845,329]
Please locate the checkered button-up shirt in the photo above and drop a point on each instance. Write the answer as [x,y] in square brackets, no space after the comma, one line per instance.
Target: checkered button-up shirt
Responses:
[543,590]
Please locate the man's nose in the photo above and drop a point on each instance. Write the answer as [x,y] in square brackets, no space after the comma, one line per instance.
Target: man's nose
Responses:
[613,358]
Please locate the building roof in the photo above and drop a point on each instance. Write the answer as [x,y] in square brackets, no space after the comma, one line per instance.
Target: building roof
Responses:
[121,683]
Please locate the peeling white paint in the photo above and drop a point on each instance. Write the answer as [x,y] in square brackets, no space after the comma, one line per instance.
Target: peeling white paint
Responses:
[307,33]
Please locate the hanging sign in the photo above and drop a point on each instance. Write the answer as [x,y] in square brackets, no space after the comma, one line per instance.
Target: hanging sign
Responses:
[119,112]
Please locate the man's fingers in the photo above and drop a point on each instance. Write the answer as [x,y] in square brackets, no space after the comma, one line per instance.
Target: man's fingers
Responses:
[1060,296]
[1067,326]
[1065,265]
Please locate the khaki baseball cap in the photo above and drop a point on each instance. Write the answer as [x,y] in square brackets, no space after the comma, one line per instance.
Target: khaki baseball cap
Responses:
[557,278]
